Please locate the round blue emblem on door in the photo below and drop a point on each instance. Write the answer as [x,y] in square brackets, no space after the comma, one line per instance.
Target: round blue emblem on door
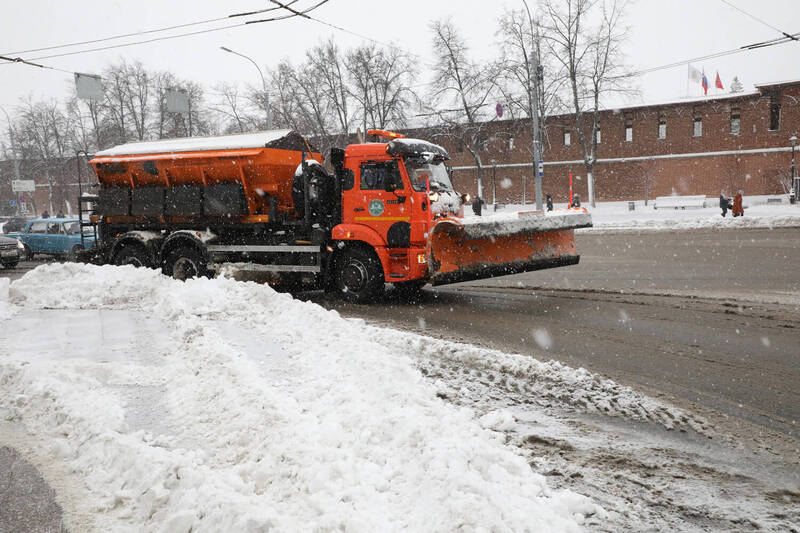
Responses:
[375,207]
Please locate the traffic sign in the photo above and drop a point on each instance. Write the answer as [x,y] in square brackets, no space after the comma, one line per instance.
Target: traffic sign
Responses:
[23,186]
[499,110]
[541,168]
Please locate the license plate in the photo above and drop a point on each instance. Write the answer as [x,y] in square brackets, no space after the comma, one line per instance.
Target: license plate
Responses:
[9,254]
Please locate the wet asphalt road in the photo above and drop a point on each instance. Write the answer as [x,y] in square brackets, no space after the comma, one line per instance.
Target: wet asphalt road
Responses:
[708,318]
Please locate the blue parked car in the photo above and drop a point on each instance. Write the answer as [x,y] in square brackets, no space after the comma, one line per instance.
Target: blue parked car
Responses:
[53,236]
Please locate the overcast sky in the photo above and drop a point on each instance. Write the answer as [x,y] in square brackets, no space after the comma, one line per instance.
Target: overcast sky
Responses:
[663,31]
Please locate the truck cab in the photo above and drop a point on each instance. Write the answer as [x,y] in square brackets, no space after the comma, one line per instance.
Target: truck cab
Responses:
[391,195]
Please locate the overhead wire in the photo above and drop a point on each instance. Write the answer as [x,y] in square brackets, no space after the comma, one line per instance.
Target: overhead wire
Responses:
[767,24]
[745,48]
[145,32]
[330,25]
[155,39]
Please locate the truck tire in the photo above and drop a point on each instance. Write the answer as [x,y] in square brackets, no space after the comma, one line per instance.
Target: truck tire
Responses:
[184,263]
[131,254]
[11,264]
[359,275]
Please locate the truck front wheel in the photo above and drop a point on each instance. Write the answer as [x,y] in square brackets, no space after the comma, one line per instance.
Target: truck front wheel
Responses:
[185,263]
[359,275]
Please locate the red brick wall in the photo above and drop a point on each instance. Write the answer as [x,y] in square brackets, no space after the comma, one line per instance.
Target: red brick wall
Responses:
[625,180]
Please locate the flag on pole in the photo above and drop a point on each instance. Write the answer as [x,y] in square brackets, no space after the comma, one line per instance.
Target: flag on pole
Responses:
[705,84]
[694,74]
[718,83]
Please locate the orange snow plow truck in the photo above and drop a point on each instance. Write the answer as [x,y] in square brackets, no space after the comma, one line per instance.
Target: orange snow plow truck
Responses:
[263,201]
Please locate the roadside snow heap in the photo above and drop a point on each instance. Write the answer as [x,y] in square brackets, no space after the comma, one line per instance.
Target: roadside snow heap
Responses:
[216,405]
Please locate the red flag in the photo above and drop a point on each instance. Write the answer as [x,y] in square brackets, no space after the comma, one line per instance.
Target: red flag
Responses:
[718,83]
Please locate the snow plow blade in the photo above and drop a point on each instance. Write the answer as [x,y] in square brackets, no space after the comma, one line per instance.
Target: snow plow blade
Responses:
[477,250]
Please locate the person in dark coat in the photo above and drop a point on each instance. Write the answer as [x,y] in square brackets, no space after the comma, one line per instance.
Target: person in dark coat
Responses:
[477,205]
[45,214]
[738,208]
[60,214]
[723,203]
[576,201]
[549,202]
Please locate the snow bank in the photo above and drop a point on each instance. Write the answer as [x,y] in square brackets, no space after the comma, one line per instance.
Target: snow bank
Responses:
[5,308]
[615,216]
[705,222]
[273,414]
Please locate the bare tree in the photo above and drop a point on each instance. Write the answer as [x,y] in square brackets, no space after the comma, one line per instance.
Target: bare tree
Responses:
[44,134]
[381,84]
[137,97]
[161,83]
[116,91]
[233,106]
[517,46]
[648,172]
[285,100]
[326,67]
[460,91]
[590,58]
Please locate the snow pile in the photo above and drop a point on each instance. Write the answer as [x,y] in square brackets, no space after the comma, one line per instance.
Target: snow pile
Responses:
[272,414]
[5,309]
[616,217]
[706,222]
[545,383]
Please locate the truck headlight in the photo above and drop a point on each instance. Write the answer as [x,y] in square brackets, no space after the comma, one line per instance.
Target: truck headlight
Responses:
[434,196]
[421,259]
[20,245]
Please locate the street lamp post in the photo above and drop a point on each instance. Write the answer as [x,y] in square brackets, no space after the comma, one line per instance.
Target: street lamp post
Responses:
[795,183]
[533,100]
[267,110]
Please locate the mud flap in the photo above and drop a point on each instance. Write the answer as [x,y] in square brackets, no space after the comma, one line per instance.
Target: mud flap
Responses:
[475,250]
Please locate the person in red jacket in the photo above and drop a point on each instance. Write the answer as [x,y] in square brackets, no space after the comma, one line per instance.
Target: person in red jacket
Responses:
[738,210]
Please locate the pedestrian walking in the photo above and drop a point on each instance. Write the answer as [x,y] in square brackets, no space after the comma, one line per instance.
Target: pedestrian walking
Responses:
[738,208]
[45,214]
[724,203]
[477,205]
[60,214]
[576,201]
[549,202]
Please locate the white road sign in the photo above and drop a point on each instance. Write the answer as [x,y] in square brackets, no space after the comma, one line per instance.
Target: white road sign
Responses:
[177,101]
[23,186]
[89,86]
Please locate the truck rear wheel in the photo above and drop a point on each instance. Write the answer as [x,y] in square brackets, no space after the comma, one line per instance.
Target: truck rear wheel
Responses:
[131,255]
[359,275]
[185,263]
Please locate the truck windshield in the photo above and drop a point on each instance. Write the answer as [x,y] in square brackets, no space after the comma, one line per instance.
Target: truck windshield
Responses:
[419,172]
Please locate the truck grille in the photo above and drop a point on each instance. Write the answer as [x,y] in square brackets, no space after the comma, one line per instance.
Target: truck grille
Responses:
[12,246]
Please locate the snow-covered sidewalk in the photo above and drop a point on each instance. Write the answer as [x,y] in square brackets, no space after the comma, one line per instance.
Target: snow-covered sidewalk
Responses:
[616,216]
[215,405]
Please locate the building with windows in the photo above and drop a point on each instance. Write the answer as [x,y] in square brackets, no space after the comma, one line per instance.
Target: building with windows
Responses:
[693,146]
